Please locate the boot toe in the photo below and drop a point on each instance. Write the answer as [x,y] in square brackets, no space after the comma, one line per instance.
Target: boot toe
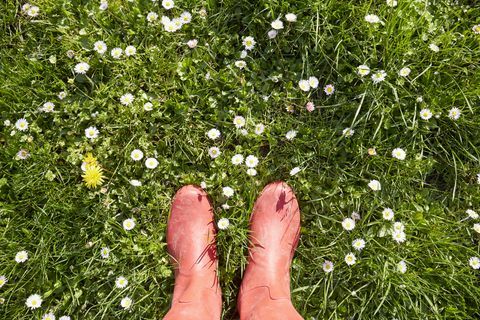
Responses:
[190,192]
[276,197]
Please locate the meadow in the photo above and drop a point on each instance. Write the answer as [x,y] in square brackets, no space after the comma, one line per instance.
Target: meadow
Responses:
[368,109]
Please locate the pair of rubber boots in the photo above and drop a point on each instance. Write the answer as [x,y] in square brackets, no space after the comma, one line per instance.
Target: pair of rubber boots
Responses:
[265,289]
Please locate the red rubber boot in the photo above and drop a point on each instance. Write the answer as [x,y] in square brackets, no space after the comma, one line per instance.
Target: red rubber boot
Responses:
[274,233]
[191,243]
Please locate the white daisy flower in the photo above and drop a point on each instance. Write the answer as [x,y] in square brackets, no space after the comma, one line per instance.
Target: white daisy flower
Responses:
[214,152]
[313,82]
[128,224]
[372,18]
[240,64]
[252,172]
[476,227]
[304,85]
[426,114]
[48,107]
[22,154]
[227,192]
[259,128]
[105,252]
[348,224]
[476,29]
[392,3]
[294,171]
[130,51]
[402,266]
[151,163]
[329,89]
[64,318]
[310,106]
[152,16]
[203,185]
[474,262]
[388,214]
[398,226]
[239,122]
[103,5]
[62,95]
[375,185]
[251,161]
[148,106]
[291,17]
[168,4]
[272,34]
[165,20]
[243,54]
[372,152]
[127,302]
[91,132]
[399,153]
[135,183]
[363,70]
[136,155]
[21,124]
[48,316]
[82,67]
[26,6]
[358,244]
[178,23]
[356,216]
[116,53]
[33,11]
[327,266]
[348,132]
[100,47]
[170,26]
[192,43]
[399,236]
[291,134]
[379,76]
[237,159]
[21,256]
[3,280]
[213,134]
[248,43]
[434,47]
[404,72]
[277,24]
[223,223]
[472,214]
[121,282]
[350,259]
[127,99]
[34,301]
[454,113]
[186,17]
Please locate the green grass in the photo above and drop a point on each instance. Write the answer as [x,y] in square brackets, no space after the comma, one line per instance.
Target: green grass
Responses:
[46,209]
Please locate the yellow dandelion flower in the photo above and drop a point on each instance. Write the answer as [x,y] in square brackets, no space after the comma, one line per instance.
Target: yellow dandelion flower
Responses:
[89,158]
[93,175]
